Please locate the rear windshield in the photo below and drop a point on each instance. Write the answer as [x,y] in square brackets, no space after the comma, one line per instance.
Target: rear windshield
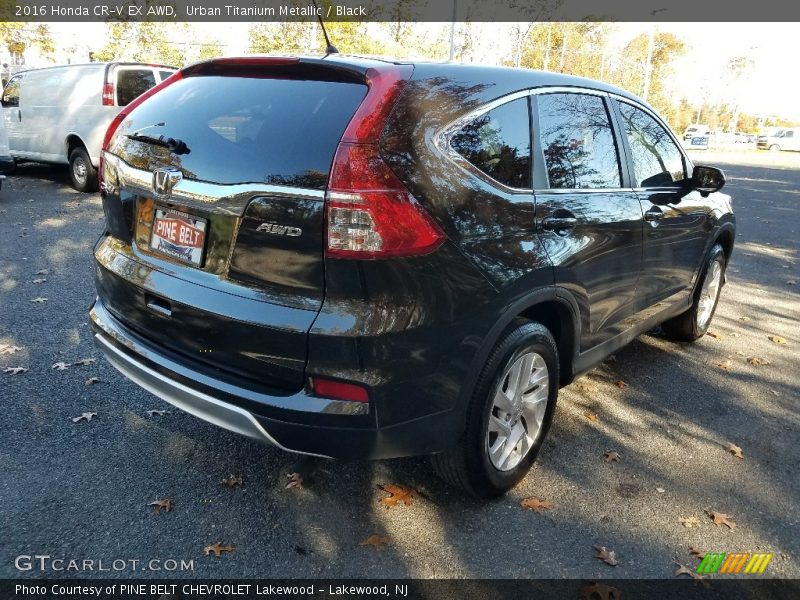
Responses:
[247,130]
[132,83]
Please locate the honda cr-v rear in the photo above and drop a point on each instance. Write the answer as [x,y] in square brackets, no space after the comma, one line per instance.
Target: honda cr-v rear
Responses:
[343,257]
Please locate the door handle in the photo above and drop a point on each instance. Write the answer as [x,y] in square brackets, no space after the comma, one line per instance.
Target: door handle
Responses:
[559,223]
[19,115]
[654,214]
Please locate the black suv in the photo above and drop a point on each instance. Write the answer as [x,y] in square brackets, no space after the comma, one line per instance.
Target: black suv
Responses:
[358,259]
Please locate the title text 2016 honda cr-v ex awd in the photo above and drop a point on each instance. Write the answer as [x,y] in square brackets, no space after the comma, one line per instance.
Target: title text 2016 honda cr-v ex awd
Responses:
[358,259]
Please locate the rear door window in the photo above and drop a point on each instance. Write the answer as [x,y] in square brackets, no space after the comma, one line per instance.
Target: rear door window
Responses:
[163,74]
[498,143]
[132,83]
[577,141]
[657,161]
[246,130]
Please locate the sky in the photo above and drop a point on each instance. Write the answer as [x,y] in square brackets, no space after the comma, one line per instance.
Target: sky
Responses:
[770,89]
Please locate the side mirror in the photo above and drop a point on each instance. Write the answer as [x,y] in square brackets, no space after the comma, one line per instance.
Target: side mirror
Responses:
[707,180]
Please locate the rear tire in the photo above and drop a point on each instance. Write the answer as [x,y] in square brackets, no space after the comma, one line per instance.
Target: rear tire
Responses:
[775,148]
[694,323]
[499,446]
[82,172]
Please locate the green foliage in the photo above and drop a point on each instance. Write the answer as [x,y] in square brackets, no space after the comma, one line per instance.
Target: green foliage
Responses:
[18,37]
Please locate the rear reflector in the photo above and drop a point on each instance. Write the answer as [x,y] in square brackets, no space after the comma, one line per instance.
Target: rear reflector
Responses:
[108,94]
[338,390]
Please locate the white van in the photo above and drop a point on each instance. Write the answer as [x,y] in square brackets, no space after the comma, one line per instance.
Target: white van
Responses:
[786,139]
[60,114]
[6,162]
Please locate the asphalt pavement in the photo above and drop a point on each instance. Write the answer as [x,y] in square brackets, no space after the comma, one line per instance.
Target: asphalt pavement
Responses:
[81,490]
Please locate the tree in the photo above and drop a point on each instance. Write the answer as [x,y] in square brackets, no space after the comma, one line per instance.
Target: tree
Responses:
[19,37]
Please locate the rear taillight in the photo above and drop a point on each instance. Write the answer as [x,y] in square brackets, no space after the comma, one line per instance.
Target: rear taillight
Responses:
[115,123]
[108,94]
[370,213]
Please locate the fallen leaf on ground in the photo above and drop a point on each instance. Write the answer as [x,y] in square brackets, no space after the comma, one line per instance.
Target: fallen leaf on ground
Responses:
[85,361]
[777,339]
[590,415]
[660,490]
[721,519]
[714,335]
[379,542]
[684,570]
[696,553]
[156,413]
[87,416]
[791,282]
[621,384]
[158,505]
[600,591]
[217,549]
[39,280]
[15,370]
[588,387]
[295,481]
[725,364]
[60,366]
[690,522]
[9,349]
[42,272]
[757,362]
[774,393]
[607,556]
[536,504]
[734,449]
[611,456]
[744,318]
[92,380]
[39,300]
[233,481]
[398,493]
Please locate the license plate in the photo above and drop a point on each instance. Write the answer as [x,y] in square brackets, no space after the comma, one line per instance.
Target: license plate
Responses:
[179,235]
[700,141]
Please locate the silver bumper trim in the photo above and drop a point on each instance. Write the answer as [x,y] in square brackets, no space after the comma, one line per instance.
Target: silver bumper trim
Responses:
[192,401]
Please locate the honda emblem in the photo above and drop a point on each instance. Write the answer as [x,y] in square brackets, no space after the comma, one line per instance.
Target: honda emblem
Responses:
[163,182]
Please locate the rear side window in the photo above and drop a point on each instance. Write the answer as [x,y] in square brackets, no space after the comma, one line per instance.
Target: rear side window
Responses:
[247,130]
[11,92]
[498,143]
[164,74]
[132,83]
[577,141]
[657,161]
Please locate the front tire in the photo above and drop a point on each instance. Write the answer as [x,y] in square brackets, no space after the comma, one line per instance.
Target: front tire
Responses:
[775,148]
[509,414]
[694,323]
[81,171]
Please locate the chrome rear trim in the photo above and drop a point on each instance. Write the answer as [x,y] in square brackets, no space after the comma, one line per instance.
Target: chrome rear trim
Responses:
[229,199]
[192,401]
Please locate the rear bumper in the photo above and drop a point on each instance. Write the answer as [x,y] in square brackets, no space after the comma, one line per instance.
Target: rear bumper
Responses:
[299,422]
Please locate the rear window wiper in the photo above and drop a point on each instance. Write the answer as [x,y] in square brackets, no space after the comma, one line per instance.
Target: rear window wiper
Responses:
[175,145]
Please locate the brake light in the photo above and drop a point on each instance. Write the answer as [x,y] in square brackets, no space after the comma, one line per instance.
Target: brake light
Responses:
[115,123]
[338,390]
[108,94]
[370,213]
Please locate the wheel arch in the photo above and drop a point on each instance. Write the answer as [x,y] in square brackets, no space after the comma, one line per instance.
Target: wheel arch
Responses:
[73,141]
[553,307]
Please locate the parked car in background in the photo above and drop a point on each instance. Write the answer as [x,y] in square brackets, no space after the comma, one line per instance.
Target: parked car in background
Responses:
[696,130]
[60,114]
[786,139]
[363,259]
[765,138]
[6,162]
